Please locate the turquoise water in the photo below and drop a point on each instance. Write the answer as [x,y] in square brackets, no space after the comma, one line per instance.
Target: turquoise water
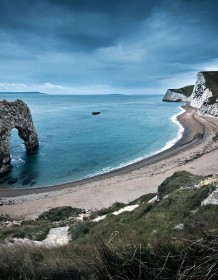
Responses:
[74,144]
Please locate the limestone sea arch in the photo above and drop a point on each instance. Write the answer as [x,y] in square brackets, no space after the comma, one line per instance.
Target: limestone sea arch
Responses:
[15,114]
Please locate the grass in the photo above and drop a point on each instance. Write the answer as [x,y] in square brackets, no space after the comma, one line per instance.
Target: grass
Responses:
[38,263]
[192,260]
[158,221]
[116,206]
[181,179]
[187,90]
[143,244]
[29,229]
[211,78]
[38,229]
[59,213]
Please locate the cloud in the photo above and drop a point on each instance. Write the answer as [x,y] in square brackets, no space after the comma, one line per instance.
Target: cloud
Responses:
[120,44]
[63,90]
[13,87]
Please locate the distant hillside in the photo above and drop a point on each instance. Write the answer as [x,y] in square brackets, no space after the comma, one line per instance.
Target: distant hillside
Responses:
[187,90]
[21,92]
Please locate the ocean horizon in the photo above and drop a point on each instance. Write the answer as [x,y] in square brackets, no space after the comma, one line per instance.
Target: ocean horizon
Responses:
[74,144]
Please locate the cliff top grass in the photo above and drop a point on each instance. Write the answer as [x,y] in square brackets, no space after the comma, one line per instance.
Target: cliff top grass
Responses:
[187,90]
[160,240]
[177,199]
[211,78]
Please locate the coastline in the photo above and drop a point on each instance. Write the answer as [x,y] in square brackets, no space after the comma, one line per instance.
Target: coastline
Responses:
[126,183]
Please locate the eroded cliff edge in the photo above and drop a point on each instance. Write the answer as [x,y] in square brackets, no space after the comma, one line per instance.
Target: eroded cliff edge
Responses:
[203,96]
[15,115]
[181,94]
[205,93]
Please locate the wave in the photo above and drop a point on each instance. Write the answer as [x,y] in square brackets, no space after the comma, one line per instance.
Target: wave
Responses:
[167,146]
[17,161]
[172,142]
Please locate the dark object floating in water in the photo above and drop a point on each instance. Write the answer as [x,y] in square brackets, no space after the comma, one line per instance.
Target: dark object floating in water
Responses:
[96,113]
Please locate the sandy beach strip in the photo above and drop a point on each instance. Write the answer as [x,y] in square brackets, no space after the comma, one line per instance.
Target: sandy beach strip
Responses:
[195,152]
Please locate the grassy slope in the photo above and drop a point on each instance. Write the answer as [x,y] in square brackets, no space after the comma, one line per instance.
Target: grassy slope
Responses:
[212,83]
[151,221]
[132,245]
[187,91]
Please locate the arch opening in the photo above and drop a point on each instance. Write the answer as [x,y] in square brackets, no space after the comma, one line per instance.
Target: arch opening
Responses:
[15,115]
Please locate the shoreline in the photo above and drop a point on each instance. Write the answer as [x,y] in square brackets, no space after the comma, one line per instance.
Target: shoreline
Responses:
[124,184]
[163,153]
[168,145]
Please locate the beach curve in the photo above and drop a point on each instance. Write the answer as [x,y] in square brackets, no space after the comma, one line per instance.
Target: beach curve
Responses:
[127,183]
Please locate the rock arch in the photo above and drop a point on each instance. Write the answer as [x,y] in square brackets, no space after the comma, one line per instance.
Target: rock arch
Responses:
[17,115]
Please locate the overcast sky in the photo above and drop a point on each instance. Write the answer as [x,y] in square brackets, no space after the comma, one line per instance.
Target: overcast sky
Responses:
[106,46]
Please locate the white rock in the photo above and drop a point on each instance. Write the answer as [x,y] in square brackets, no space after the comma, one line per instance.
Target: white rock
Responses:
[200,97]
[126,208]
[56,237]
[212,198]
[153,199]
[179,226]
[174,96]
[99,218]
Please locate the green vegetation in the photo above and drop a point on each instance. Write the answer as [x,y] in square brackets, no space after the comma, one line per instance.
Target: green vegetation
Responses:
[172,238]
[28,229]
[211,78]
[181,179]
[116,206]
[38,229]
[187,91]
[59,214]
[158,220]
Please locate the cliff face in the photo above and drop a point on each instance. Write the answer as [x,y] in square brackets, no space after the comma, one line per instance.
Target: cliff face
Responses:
[15,115]
[176,95]
[172,96]
[204,95]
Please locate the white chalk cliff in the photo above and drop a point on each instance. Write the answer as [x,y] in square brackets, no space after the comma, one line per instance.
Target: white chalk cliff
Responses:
[202,94]
[180,94]
[172,96]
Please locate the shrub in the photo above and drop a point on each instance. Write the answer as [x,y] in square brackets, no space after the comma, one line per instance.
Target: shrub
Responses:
[59,213]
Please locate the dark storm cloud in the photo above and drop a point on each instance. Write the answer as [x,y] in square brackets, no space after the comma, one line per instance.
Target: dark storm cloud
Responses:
[120,43]
[86,24]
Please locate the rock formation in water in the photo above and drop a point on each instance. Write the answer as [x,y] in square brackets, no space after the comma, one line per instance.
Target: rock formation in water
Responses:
[15,115]
[205,93]
[177,95]
[96,113]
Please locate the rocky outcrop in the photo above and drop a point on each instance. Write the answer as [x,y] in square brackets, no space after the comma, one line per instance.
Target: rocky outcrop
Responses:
[15,115]
[96,113]
[201,93]
[180,94]
[172,96]
[204,94]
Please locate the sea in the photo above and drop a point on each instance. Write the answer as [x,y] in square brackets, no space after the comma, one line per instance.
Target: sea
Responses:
[74,144]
